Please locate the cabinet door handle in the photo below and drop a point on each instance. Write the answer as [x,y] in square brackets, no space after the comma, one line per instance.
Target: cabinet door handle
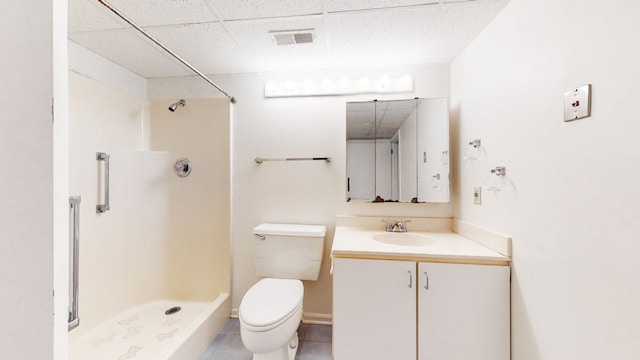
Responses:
[426,280]
[410,280]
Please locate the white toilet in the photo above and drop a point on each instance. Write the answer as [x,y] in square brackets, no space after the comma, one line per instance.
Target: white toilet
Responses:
[271,310]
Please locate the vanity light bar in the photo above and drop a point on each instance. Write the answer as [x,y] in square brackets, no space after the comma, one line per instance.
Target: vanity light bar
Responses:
[381,85]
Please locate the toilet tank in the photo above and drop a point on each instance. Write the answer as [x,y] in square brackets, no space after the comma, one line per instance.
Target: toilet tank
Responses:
[289,251]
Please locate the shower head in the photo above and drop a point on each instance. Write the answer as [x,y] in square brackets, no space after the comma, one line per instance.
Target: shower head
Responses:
[175,105]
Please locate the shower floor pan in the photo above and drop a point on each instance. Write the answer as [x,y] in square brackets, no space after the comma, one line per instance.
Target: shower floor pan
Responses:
[155,331]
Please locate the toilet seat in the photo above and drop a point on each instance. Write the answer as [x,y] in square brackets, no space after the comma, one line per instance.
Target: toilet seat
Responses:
[270,303]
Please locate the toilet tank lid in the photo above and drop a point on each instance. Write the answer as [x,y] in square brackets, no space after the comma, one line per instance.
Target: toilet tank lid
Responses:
[290,230]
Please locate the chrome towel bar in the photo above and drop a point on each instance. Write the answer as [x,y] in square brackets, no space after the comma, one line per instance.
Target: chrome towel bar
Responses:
[260,160]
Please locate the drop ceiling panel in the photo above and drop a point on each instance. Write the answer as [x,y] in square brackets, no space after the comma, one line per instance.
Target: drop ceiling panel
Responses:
[166,12]
[354,107]
[389,116]
[362,133]
[465,19]
[361,117]
[458,24]
[380,38]
[256,9]
[257,43]
[394,117]
[391,121]
[404,105]
[348,33]
[351,5]
[130,50]
[205,46]
[360,127]
[89,15]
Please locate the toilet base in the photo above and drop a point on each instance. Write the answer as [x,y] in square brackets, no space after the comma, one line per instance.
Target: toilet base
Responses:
[287,352]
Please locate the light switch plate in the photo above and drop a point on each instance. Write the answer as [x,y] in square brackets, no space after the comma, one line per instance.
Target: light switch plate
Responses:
[477,195]
[577,103]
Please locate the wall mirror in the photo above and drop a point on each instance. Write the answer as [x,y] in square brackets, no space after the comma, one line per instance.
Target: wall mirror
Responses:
[398,150]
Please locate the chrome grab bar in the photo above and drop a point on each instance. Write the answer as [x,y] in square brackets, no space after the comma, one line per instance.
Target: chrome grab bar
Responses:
[100,208]
[74,243]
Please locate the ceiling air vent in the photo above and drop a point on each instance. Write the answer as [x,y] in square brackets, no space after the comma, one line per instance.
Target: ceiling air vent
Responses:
[290,37]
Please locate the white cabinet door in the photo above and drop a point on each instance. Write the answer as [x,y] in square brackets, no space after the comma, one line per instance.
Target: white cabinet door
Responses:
[464,313]
[374,309]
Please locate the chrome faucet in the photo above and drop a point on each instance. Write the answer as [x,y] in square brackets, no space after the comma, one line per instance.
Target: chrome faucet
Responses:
[398,226]
[390,226]
[401,226]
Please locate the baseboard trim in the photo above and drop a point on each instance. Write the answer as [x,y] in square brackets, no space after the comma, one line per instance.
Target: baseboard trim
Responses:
[317,318]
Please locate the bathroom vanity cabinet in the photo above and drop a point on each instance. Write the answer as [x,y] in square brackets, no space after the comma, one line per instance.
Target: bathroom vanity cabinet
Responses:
[397,309]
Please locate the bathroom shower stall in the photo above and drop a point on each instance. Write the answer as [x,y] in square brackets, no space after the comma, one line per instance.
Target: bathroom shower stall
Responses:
[153,269]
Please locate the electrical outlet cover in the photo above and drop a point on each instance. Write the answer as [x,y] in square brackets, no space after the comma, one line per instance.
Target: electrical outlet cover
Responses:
[477,195]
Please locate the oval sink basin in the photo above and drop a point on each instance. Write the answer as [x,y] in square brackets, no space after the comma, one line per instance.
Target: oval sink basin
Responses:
[403,239]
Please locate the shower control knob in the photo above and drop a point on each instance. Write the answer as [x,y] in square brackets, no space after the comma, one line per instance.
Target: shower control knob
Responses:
[182,167]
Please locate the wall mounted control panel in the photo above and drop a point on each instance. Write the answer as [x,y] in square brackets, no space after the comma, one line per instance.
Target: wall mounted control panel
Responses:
[577,103]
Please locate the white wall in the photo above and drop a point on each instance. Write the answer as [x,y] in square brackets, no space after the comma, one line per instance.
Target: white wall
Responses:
[573,200]
[90,65]
[433,124]
[297,192]
[26,184]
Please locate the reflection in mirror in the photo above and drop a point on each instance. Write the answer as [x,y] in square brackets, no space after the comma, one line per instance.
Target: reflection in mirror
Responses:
[398,150]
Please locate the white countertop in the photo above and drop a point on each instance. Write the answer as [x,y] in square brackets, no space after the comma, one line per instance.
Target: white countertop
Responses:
[355,242]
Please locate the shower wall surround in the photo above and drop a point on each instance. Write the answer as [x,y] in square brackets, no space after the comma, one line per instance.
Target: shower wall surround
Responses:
[103,119]
[165,236]
[199,263]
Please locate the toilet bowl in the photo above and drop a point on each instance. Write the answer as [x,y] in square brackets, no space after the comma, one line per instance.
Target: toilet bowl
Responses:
[271,310]
[270,313]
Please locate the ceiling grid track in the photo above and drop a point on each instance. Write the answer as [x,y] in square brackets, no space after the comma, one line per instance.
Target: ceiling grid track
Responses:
[222,21]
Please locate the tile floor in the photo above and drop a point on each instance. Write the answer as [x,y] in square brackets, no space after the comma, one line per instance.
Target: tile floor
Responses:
[315,343]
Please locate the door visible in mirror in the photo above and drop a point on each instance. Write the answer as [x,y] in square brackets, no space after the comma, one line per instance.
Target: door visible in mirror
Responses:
[361,151]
